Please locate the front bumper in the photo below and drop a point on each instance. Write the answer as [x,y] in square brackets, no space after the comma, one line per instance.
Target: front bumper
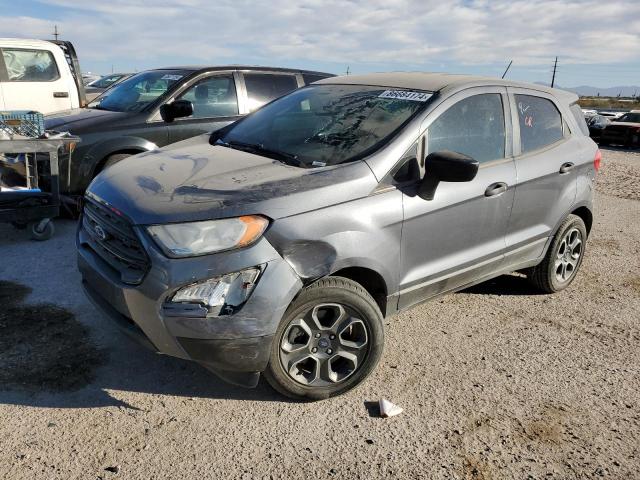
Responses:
[236,347]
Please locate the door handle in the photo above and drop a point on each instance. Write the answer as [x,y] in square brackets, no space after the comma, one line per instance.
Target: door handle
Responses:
[494,189]
[566,167]
[60,94]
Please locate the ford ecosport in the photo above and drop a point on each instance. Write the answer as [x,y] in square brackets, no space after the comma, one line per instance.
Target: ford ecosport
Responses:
[279,243]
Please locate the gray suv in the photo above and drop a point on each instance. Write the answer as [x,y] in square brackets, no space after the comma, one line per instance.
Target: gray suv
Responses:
[279,243]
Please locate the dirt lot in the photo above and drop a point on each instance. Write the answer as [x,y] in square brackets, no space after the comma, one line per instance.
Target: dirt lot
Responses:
[496,381]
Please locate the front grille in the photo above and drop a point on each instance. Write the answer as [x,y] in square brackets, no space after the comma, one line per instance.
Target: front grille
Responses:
[113,239]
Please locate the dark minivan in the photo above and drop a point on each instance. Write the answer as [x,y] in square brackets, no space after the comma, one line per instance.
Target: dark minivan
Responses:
[157,107]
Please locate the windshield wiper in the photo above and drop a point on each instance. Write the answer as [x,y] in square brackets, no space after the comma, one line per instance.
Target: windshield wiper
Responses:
[98,107]
[260,149]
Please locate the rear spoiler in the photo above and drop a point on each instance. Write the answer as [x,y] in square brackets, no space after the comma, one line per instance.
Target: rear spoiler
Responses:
[72,60]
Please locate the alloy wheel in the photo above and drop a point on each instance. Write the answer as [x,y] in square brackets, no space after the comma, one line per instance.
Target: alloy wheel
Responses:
[568,255]
[325,345]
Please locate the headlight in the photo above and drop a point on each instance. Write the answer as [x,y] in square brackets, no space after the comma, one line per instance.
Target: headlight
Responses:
[198,238]
[222,295]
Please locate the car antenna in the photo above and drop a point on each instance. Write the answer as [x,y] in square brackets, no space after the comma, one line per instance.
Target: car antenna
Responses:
[508,66]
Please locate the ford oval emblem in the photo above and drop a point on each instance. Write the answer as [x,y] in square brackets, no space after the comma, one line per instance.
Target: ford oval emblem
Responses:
[100,233]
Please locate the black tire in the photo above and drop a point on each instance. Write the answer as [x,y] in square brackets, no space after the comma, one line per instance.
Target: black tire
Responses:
[41,231]
[115,158]
[332,291]
[546,276]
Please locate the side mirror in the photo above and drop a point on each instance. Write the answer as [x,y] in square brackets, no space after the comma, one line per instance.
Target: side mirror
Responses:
[446,166]
[178,109]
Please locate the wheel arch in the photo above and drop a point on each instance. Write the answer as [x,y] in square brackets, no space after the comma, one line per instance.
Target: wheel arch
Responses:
[103,150]
[129,151]
[586,215]
[370,280]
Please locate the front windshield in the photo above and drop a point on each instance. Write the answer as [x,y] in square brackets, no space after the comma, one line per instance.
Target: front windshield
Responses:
[137,92]
[630,118]
[326,124]
[104,82]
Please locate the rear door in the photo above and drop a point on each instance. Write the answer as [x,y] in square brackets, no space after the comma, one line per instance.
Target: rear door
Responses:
[458,236]
[262,87]
[215,104]
[35,80]
[546,156]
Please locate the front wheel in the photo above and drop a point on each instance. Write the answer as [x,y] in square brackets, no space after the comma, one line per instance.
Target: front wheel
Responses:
[563,259]
[330,339]
[113,159]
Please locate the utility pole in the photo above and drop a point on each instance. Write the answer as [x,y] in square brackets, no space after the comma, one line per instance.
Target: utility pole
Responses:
[553,78]
[55,32]
[508,66]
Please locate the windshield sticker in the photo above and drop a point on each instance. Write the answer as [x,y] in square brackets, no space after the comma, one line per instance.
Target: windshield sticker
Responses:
[405,95]
[171,77]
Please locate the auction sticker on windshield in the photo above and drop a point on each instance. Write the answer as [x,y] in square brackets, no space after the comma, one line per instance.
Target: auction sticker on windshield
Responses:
[405,95]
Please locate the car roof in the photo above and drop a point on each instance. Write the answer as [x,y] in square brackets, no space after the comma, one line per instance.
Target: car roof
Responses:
[209,68]
[27,43]
[439,82]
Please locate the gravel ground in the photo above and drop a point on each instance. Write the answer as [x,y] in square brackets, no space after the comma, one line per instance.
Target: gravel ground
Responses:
[496,381]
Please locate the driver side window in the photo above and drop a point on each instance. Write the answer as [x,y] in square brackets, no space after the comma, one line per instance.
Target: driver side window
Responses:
[474,126]
[213,97]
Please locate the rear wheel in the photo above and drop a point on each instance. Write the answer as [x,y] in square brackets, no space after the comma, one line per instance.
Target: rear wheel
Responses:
[563,259]
[329,340]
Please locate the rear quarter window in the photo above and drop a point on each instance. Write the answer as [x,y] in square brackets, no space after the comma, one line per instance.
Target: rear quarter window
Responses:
[579,116]
[540,122]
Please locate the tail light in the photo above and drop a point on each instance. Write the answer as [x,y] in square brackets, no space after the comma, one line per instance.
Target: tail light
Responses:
[597,159]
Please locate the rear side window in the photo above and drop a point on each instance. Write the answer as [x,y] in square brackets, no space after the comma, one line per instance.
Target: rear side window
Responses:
[30,65]
[579,116]
[310,78]
[263,87]
[540,122]
[473,126]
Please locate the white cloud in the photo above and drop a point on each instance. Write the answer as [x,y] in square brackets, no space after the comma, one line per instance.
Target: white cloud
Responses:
[391,32]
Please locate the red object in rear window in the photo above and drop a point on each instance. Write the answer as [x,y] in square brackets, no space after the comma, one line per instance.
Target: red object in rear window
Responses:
[597,159]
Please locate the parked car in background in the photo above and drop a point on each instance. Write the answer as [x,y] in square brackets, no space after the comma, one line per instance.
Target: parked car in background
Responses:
[154,108]
[89,77]
[624,130]
[98,86]
[596,124]
[279,244]
[39,75]
[611,115]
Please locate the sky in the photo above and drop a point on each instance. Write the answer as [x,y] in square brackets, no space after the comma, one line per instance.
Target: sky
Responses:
[597,42]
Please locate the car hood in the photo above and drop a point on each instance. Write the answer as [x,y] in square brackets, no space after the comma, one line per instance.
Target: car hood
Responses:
[79,120]
[627,124]
[193,180]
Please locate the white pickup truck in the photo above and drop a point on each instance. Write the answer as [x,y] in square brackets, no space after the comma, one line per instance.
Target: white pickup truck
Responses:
[39,75]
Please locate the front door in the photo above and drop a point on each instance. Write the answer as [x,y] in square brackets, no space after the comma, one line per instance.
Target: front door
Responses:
[459,236]
[34,81]
[215,105]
